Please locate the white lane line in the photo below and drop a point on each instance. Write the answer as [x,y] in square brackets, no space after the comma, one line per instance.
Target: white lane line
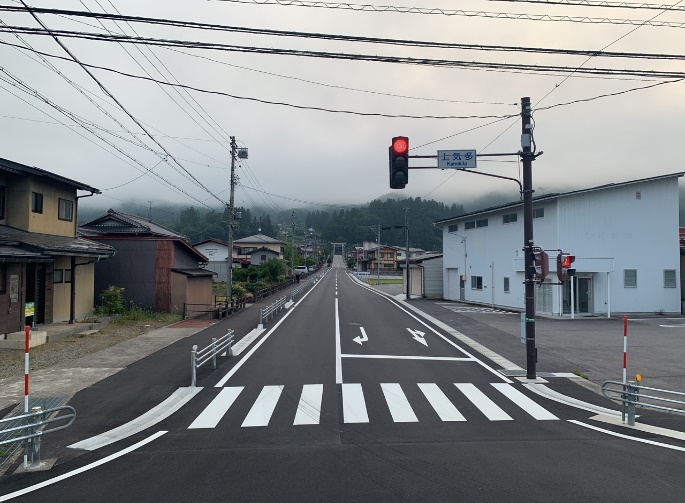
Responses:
[261,341]
[626,437]
[440,403]
[95,464]
[647,428]
[213,413]
[155,415]
[524,402]
[454,333]
[484,404]
[550,394]
[338,350]
[309,408]
[400,410]
[405,357]
[263,408]
[354,406]
[243,343]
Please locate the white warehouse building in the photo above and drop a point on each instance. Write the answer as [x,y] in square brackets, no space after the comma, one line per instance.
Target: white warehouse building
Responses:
[624,237]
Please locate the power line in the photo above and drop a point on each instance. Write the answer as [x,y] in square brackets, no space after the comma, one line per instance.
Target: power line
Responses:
[448,12]
[106,91]
[598,3]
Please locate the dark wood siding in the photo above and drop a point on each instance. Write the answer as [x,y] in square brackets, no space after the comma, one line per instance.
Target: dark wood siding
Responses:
[163,266]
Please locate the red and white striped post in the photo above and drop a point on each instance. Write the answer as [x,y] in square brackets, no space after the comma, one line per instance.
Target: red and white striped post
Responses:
[27,329]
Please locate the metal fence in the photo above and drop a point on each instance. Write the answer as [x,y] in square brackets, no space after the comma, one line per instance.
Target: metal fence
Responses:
[270,311]
[209,353]
[631,395]
[297,292]
[267,292]
[30,431]
[220,309]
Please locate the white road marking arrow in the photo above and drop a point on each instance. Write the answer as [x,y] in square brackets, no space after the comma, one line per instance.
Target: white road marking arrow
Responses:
[361,338]
[418,335]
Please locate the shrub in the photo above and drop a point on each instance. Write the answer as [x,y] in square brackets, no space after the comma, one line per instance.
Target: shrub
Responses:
[257,285]
[112,300]
[238,290]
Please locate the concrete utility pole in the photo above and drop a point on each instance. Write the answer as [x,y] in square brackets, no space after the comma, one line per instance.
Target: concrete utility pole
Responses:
[231,212]
[406,233]
[378,257]
[527,156]
[292,252]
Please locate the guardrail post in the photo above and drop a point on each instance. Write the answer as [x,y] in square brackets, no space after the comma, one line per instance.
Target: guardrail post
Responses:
[632,400]
[261,317]
[34,442]
[193,366]
[213,353]
[229,349]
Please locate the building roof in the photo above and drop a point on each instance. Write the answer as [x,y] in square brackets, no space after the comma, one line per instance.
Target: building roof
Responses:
[262,249]
[557,195]
[119,223]
[211,240]
[194,273]
[23,170]
[258,238]
[16,243]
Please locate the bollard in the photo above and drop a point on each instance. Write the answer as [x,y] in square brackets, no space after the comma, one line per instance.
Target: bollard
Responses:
[34,442]
[632,398]
[193,366]
[213,353]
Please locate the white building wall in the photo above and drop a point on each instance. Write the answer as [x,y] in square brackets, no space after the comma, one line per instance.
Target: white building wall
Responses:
[608,230]
[217,255]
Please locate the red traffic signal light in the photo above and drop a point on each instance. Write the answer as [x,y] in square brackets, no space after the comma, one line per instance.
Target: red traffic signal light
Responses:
[399,162]
[564,270]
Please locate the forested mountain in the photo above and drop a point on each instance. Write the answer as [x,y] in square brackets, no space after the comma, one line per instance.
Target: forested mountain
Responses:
[355,225]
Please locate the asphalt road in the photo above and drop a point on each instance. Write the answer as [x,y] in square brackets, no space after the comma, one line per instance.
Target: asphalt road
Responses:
[351,397]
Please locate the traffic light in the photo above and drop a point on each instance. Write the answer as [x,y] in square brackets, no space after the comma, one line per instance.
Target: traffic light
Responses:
[564,270]
[540,267]
[399,162]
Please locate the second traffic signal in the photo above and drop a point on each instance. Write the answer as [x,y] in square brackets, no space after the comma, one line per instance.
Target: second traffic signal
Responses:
[564,269]
[399,162]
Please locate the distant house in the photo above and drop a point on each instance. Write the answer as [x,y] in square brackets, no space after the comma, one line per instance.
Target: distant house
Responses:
[425,278]
[243,248]
[216,252]
[156,266]
[261,255]
[44,267]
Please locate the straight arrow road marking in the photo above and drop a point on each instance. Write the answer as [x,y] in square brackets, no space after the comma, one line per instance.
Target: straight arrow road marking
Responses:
[361,338]
[418,336]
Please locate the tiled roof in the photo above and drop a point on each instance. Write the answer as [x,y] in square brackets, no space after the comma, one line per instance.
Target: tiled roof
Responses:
[119,223]
[257,238]
[196,273]
[49,244]
[211,240]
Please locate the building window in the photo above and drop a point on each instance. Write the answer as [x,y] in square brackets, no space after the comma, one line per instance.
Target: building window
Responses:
[476,282]
[630,278]
[538,212]
[389,266]
[65,210]
[2,202]
[506,285]
[669,278]
[382,255]
[67,275]
[483,222]
[263,258]
[510,218]
[453,228]
[470,225]
[36,202]
[58,276]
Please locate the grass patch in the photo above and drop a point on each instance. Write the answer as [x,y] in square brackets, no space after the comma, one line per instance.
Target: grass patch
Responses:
[580,374]
[385,281]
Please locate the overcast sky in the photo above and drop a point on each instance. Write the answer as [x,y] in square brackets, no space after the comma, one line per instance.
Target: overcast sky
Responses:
[331,158]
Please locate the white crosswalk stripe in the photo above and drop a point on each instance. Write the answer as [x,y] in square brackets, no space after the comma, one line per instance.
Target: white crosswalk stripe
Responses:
[354,404]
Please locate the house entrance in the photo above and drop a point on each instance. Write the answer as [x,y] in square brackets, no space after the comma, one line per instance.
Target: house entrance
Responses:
[582,295]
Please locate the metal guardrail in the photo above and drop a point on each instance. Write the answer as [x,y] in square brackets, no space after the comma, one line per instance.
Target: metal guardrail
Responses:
[631,395]
[199,358]
[269,312]
[31,431]
[297,292]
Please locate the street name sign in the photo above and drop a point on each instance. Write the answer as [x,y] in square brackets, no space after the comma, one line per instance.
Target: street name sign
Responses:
[457,159]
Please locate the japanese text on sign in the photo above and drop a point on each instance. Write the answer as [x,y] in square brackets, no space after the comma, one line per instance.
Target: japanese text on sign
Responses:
[456,159]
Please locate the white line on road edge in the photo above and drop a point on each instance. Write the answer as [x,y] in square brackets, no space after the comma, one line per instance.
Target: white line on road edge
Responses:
[458,335]
[155,415]
[338,350]
[261,341]
[396,357]
[240,346]
[626,437]
[95,464]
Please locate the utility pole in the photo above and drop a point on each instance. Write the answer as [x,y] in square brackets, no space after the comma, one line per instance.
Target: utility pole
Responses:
[527,157]
[378,257]
[406,233]
[292,251]
[149,217]
[231,212]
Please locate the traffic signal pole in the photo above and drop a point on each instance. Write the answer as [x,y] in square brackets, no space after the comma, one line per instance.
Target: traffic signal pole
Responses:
[527,157]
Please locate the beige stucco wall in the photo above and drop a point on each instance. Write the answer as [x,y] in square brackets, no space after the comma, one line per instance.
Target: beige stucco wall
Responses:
[85,298]
[19,212]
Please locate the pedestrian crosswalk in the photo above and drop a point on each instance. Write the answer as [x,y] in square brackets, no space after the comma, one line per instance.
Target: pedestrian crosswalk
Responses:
[404,403]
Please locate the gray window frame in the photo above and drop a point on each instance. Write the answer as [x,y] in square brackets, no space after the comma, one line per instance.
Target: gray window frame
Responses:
[453,228]
[674,283]
[470,225]
[510,218]
[474,282]
[625,278]
[507,285]
[67,204]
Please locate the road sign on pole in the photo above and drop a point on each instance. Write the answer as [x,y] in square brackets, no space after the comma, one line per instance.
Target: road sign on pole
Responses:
[457,159]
